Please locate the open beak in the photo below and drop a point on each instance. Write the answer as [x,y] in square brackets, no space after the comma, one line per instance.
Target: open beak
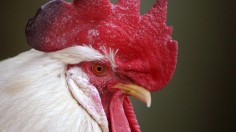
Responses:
[136,91]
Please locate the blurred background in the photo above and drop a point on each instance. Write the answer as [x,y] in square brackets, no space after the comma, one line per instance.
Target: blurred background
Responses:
[201,95]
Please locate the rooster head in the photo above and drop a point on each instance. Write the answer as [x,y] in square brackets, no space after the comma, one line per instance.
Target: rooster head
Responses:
[139,53]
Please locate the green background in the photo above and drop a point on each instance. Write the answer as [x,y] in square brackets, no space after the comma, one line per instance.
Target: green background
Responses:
[200,96]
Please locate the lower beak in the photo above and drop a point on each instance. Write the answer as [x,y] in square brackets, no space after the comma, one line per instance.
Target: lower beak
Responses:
[136,91]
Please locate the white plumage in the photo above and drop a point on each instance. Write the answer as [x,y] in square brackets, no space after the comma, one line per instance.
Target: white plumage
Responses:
[34,93]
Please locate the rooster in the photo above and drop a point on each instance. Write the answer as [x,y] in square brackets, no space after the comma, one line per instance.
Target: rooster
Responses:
[88,56]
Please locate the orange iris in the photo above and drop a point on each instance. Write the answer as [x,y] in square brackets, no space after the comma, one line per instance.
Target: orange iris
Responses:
[99,69]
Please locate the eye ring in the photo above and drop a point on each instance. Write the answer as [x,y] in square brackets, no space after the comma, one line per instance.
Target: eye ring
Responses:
[99,69]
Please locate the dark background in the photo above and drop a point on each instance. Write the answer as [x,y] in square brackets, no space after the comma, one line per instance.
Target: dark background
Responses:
[201,95]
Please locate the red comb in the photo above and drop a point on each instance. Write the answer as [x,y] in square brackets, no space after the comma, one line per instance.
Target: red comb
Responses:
[143,40]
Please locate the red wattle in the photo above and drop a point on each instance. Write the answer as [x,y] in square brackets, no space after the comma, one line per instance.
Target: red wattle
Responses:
[131,117]
[119,122]
[122,117]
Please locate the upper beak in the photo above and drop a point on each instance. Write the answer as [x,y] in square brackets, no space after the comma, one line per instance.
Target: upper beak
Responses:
[136,91]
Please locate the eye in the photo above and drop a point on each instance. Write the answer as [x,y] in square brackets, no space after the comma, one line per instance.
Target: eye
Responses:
[99,69]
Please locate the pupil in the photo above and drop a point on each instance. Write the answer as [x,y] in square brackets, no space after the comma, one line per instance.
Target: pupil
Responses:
[99,68]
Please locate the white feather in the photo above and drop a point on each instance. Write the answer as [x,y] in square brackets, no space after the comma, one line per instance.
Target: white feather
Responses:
[34,95]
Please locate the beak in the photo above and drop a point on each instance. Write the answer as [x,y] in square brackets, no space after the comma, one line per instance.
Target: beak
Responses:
[136,91]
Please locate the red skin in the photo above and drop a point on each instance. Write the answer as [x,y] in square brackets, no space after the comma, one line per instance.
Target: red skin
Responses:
[147,54]
[117,105]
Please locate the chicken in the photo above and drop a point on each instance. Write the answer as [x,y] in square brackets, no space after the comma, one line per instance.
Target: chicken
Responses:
[88,56]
